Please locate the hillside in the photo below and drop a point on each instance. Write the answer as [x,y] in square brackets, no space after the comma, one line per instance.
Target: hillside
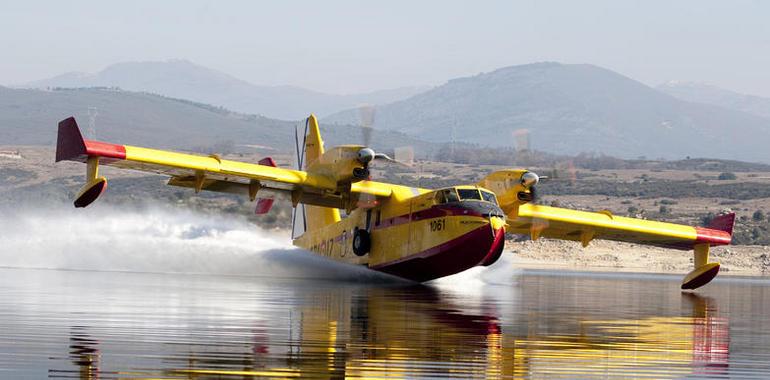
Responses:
[29,117]
[568,109]
[708,94]
[186,80]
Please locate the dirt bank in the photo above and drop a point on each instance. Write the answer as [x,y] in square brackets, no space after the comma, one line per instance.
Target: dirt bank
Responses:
[746,260]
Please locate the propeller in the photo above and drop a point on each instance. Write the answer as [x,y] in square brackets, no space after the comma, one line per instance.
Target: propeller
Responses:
[366,155]
[560,170]
[366,114]
[298,225]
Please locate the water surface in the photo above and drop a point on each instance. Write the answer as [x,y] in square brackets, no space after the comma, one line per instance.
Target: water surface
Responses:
[81,324]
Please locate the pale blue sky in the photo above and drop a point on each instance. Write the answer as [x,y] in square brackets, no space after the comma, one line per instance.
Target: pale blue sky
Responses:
[352,46]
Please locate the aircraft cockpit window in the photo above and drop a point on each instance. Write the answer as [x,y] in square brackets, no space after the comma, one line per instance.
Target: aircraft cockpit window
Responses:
[446,196]
[469,194]
[451,195]
[489,197]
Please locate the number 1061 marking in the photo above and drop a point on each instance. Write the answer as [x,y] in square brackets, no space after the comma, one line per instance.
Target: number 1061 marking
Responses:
[437,225]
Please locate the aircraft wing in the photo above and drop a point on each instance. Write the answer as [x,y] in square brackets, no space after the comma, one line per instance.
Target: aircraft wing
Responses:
[200,172]
[583,226]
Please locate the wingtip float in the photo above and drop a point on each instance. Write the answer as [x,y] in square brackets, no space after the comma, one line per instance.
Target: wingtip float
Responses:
[416,233]
[718,232]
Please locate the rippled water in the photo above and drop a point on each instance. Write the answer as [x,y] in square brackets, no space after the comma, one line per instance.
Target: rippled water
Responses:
[79,324]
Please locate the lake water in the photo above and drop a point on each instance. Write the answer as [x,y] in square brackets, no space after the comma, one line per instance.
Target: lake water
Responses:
[89,324]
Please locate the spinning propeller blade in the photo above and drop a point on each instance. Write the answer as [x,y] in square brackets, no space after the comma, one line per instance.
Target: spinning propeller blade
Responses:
[299,228]
[366,113]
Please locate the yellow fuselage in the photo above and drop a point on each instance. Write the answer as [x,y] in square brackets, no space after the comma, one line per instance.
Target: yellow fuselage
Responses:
[416,236]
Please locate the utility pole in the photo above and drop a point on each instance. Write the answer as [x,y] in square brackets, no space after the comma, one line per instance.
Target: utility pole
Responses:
[92,113]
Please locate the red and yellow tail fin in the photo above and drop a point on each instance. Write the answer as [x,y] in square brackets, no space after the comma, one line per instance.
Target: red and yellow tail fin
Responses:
[71,146]
[316,216]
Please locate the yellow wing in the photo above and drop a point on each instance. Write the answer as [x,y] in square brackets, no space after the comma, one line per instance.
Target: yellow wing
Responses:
[583,226]
[514,195]
[204,172]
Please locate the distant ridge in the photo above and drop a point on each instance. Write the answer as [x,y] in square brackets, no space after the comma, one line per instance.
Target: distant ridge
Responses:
[573,108]
[29,117]
[709,94]
[186,80]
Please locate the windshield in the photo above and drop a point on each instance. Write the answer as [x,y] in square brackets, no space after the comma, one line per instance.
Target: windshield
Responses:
[489,197]
[469,194]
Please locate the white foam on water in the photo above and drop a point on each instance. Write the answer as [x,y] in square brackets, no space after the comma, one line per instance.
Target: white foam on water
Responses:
[501,273]
[156,240]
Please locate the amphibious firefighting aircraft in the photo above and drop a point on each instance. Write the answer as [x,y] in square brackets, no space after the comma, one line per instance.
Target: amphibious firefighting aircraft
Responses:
[415,233]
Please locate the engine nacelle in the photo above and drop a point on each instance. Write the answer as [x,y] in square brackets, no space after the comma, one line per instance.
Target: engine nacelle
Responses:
[342,164]
[511,186]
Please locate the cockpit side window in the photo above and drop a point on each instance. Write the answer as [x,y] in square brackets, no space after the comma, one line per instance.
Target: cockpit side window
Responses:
[440,197]
[469,194]
[446,196]
[450,195]
[489,197]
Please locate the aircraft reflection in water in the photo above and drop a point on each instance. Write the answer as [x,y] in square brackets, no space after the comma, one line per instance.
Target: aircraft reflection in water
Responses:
[418,332]
[84,352]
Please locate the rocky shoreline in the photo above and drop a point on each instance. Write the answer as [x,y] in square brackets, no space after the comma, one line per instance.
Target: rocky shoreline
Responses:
[741,260]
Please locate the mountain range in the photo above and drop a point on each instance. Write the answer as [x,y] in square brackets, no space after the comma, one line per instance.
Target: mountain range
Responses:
[185,80]
[569,109]
[550,107]
[30,117]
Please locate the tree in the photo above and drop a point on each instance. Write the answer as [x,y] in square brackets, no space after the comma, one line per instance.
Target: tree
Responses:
[727,176]
[758,216]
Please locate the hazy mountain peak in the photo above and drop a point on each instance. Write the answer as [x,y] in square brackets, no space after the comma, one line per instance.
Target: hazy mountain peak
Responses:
[68,79]
[571,108]
[181,69]
[180,78]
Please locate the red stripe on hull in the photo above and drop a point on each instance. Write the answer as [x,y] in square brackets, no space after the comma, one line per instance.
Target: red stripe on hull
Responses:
[449,258]
[430,213]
